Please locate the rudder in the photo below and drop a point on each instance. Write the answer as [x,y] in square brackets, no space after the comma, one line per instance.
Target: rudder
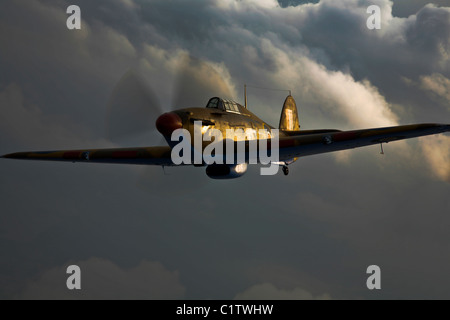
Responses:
[289,115]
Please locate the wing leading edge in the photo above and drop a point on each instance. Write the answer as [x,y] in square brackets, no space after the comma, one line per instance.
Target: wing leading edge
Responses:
[144,156]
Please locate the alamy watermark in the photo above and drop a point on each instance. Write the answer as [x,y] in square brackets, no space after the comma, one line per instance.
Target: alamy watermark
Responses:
[74,20]
[374,20]
[239,146]
[74,280]
[374,280]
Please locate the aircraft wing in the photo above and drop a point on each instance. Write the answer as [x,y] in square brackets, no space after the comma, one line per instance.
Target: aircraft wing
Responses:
[296,145]
[146,156]
[305,145]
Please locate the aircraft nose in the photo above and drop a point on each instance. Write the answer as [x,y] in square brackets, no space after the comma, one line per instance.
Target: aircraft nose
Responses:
[168,123]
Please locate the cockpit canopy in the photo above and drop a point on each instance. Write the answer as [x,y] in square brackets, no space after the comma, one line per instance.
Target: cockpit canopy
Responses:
[224,105]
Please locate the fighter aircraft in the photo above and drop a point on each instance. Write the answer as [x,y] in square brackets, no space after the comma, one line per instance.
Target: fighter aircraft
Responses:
[220,113]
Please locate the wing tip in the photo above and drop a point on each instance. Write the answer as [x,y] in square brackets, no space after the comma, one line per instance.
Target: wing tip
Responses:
[442,127]
[446,127]
[18,155]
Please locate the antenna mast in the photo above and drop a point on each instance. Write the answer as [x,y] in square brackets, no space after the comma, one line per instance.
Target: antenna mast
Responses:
[245,96]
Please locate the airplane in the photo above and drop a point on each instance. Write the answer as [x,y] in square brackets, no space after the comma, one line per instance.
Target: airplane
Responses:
[222,114]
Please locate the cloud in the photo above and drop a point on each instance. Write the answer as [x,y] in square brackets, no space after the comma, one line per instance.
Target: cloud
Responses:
[102,279]
[359,102]
[324,223]
[437,85]
[267,291]
[436,150]
[403,47]
[68,65]
[405,8]
[37,128]
[356,104]
[287,3]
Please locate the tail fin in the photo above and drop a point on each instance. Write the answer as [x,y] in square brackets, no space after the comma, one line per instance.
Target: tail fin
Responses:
[289,115]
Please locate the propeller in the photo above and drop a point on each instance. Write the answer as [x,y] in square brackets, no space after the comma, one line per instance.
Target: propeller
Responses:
[196,82]
[132,108]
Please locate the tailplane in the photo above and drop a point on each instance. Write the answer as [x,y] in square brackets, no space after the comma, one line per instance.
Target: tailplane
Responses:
[289,116]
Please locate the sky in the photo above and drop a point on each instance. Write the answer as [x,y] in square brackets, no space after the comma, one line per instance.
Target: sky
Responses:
[142,233]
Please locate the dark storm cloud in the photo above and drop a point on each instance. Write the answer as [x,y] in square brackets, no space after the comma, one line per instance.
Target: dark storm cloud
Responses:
[287,3]
[147,280]
[309,235]
[404,48]
[67,65]
[405,8]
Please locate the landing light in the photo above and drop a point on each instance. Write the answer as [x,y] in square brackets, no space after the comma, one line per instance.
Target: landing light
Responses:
[240,168]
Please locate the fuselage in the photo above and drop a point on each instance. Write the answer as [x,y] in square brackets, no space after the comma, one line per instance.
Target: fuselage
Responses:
[243,123]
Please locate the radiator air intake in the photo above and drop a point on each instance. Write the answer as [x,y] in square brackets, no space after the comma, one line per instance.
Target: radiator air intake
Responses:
[226,171]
